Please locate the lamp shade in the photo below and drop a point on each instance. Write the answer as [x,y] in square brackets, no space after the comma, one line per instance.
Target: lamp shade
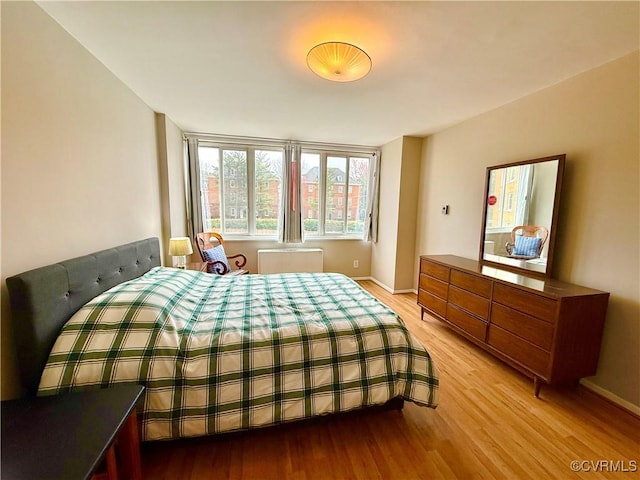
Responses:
[180,246]
[338,61]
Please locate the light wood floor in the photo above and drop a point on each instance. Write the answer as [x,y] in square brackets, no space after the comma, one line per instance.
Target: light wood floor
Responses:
[488,425]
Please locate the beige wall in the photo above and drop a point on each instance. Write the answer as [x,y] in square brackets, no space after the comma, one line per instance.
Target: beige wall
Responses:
[543,194]
[393,256]
[594,119]
[407,213]
[171,170]
[383,252]
[79,160]
[177,181]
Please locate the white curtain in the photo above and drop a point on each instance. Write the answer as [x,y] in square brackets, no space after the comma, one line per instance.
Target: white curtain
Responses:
[371,215]
[291,213]
[524,189]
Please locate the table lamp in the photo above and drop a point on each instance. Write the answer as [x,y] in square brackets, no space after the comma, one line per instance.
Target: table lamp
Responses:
[180,247]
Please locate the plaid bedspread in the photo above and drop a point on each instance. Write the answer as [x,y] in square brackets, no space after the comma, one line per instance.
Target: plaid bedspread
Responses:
[219,353]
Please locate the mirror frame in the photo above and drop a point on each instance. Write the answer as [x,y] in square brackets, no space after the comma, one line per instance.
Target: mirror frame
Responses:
[554,218]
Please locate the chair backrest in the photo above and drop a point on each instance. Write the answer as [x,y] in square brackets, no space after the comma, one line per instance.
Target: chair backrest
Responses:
[531,231]
[207,240]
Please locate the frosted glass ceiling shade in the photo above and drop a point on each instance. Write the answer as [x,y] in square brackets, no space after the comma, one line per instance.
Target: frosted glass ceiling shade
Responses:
[338,61]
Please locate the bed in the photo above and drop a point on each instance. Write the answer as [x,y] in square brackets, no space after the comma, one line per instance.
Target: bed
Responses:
[215,353]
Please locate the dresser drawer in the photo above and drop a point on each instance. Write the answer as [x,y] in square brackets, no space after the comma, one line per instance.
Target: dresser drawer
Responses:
[466,322]
[471,283]
[535,305]
[431,302]
[528,355]
[434,270]
[434,286]
[529,328]
[470,302]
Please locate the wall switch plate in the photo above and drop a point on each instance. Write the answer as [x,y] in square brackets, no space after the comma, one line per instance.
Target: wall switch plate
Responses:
[445,209]
[356,264]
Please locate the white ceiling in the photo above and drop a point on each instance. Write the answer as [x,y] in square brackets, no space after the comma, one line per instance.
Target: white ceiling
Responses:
[239,68]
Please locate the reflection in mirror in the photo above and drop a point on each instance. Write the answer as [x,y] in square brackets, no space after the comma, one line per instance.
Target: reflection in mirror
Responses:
[520,210]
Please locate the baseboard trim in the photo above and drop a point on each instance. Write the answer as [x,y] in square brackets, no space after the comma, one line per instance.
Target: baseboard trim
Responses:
[357,279]
[389,289]
[380,284]
[611,397]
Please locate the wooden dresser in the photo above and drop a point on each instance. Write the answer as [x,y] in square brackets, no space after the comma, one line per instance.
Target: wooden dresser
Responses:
[547,329]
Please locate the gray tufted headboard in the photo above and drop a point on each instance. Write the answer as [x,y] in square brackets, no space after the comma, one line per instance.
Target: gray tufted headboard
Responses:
[42,300]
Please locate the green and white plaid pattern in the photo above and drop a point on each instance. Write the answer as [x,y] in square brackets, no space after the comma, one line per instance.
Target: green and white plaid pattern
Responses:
[220,353]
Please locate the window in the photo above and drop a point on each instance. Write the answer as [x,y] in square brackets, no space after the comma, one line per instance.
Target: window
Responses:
[268,173]
[239,187]
[310,176]
[335,214]
[509,190]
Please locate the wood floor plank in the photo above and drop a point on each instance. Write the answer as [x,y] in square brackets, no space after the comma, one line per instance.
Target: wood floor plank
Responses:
[488,426]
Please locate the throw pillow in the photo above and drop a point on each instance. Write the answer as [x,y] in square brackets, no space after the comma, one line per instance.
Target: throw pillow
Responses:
[216,254]
[526,246]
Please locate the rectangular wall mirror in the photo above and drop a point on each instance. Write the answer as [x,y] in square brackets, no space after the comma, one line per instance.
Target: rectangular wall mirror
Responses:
[519,215]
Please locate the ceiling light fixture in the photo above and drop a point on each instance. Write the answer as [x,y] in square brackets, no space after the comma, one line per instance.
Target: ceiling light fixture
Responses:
[338,61]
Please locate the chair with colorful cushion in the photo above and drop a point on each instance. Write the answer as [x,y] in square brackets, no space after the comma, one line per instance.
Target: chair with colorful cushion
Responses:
[527,241]
[211,248]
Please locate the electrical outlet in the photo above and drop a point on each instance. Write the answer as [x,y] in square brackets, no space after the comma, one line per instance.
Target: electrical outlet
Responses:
[445,209]
[356,264]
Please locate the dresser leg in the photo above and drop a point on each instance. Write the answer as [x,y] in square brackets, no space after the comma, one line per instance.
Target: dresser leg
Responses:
[537,385]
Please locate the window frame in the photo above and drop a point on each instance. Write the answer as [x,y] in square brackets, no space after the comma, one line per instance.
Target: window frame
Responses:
[321,233]
[506,199]
[194,141]
[251,207]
